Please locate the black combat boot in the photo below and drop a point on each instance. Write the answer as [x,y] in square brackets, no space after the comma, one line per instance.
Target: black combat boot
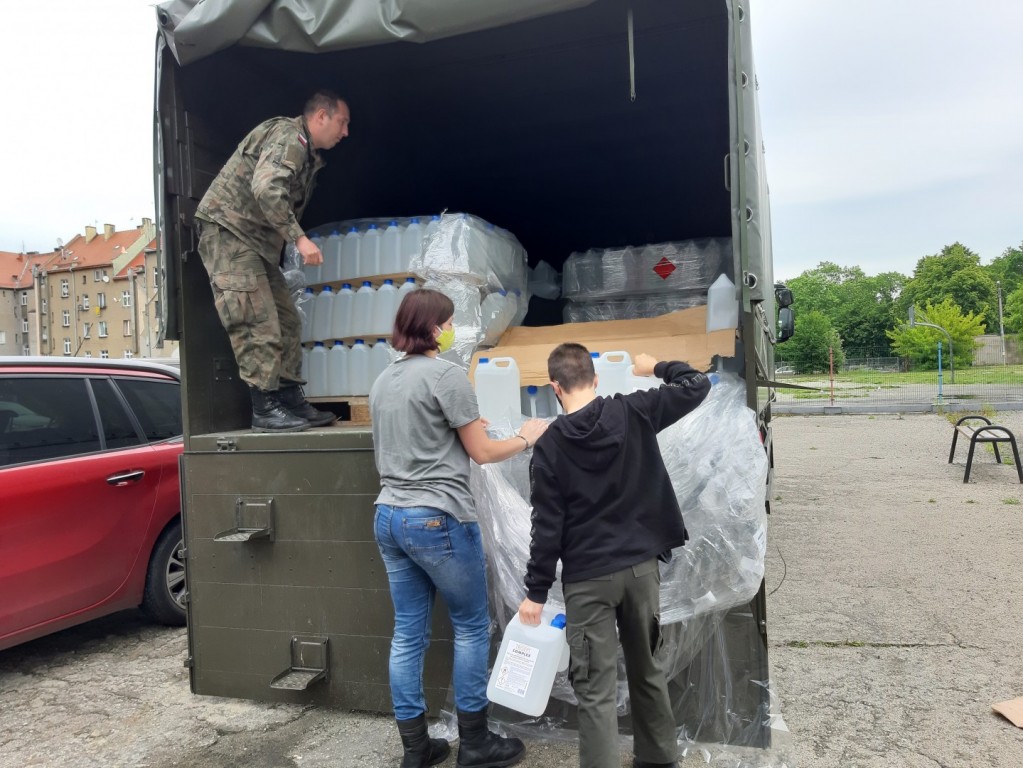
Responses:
[479,748]
[269,415]
[420,750]
[637,763]
[293,398]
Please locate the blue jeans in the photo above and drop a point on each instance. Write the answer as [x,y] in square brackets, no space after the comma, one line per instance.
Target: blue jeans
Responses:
[425,551]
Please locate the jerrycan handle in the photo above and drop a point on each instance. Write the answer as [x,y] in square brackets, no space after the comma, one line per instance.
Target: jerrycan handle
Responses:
[619,356]
[503,362]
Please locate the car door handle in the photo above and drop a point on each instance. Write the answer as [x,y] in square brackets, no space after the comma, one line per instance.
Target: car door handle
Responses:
[127,477]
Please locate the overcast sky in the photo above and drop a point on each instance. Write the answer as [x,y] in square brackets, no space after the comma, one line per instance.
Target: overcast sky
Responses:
[892,127]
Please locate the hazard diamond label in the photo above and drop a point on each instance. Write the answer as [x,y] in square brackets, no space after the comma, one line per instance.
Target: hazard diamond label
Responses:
[664,268]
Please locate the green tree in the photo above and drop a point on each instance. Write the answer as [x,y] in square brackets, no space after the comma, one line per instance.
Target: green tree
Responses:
[920,343]
[808,349]
[953,274]
[1012,311]
[861,308]
[1007,269]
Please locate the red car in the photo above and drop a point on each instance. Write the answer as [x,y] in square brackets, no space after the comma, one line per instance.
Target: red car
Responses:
[90,505]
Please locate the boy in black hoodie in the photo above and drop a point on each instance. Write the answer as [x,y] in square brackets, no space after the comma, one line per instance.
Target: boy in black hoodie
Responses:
[603,503]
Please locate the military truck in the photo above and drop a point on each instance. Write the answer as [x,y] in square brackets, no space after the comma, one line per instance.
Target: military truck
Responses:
[571,123]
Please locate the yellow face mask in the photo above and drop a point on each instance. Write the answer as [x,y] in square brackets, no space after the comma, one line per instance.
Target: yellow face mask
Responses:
[445,339]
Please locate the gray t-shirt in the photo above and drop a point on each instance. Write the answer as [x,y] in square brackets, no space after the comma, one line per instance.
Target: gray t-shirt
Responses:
[416,404]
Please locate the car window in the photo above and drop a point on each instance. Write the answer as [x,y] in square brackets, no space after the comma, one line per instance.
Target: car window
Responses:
[157,406]
[45,418]
[118,428]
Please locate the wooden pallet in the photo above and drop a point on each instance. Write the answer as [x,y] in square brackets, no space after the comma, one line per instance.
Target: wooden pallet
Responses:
[353,410]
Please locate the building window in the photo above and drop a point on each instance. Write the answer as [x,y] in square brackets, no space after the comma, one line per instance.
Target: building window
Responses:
[24,326]
[85,301]
[66,318]
[83,278]
[65,288]
[101,300]
[45,305]
[128,354]
[67,346]
[102,329]
[86,327]
[97,275]
[25,350]
[126,299]
[24,298]
[88,354]
[104,353]
[3,337]
[127,327]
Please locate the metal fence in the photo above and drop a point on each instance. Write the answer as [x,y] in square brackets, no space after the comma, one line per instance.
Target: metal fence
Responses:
[879,381]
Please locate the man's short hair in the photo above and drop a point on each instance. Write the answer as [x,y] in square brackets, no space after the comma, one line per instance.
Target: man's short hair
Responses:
[322,99]
[571,366]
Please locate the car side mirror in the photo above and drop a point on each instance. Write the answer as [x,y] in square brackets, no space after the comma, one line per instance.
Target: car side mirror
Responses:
[786,324]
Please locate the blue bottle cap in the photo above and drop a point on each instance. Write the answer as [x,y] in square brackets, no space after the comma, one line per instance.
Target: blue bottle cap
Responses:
[559,621]
[392,223]
[714,378]
[335,233]
[484,360]
[410,280]
[318,343]
[372,226]
[381,341]
[435,217]
[414,220]
[594,355]
[354,229]
[346,285]
[308,290]
[327,289]
[388,282]
[358,341]
[531,389]
[367,282]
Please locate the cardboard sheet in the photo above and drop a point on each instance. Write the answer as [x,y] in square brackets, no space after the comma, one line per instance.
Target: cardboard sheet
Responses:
[1012,710]
[678,335]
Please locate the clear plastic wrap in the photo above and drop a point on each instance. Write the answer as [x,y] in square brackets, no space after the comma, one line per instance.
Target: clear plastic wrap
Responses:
[295,280]
[687,266]
[718,469]
[632,307]
[544,281]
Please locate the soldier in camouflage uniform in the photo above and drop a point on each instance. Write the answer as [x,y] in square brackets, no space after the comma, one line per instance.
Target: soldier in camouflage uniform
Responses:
[250,211]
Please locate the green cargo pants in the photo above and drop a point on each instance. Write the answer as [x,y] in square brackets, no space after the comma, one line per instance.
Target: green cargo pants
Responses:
[255,307]
[627,599]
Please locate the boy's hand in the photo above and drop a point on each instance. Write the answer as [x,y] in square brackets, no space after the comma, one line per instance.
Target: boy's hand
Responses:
[529,612]
[644,364]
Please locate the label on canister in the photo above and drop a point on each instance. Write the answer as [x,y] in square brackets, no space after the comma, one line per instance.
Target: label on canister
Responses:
[516,668]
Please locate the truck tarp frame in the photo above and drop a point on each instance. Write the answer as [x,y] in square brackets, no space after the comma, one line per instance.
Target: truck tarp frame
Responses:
[195,29]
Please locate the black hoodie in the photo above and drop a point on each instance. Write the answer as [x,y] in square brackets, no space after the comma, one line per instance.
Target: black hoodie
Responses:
[602,499]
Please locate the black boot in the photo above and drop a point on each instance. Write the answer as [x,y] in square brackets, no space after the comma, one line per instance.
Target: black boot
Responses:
[420,749]
[269,415]
[293,398]
[479,748]
[637,763]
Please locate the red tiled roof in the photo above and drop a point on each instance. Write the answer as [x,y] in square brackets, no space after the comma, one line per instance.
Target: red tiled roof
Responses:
[16,268]
[99,252]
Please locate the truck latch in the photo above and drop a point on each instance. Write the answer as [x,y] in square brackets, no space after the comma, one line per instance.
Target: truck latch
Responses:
[254,519]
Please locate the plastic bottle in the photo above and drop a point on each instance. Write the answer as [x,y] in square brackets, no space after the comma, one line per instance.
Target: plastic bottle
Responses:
[385,307]
[497,388]
[379,359]
[350,254]
[341,317]
[527,662]
[432,227]
[636,383]
[362,310]
[390,250]
[530,401]
[317,379]
[314,272]
[406,288]
[612,370]
[722,305]
[305,305]
[411,243]
[358,369]
[322,311]
[331,270]
[369,253]
[305,366]
[337,369]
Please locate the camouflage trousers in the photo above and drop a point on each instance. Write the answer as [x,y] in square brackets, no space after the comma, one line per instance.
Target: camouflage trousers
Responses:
[255,307]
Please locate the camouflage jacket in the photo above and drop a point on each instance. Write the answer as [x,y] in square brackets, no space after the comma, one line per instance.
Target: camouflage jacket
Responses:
[261,191]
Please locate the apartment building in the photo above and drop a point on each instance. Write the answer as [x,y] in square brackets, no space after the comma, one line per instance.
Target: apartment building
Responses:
[98,296]
[17,304]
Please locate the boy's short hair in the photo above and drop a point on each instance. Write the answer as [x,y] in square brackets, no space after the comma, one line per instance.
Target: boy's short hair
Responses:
[571,366]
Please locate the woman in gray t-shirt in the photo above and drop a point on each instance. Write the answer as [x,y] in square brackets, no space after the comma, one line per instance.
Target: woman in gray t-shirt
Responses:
[426,427]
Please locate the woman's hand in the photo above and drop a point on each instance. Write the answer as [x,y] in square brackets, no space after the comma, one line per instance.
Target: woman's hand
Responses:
[532,430]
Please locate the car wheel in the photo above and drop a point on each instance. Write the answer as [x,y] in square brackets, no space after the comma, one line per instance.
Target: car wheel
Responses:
[164,598]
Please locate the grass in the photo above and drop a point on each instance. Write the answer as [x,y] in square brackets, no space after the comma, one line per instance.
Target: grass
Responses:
[987,374]
[1011,502]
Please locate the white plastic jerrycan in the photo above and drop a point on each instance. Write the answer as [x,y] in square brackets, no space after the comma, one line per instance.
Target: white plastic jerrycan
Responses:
[529,658]
[497,388]
[613,371]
